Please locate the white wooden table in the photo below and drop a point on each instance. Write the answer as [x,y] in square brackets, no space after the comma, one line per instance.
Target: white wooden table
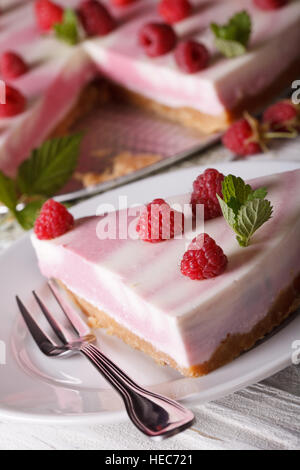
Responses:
[263,416]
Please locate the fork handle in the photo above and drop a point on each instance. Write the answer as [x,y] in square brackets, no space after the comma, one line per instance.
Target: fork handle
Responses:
[156,416]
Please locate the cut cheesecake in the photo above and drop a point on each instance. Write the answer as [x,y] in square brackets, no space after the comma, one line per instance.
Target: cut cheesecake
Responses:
[208,100]
[136,289]
[52,86]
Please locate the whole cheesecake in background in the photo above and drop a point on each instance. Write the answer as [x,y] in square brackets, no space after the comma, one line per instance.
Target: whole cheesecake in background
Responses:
[137,291]
[210,99]
[207,100]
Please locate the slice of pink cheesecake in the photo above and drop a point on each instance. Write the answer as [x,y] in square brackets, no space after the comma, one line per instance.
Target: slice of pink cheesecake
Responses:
[137,291]
[57,74]
[211,98]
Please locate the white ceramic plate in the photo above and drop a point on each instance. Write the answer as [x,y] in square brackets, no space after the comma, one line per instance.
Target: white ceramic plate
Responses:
[35,388]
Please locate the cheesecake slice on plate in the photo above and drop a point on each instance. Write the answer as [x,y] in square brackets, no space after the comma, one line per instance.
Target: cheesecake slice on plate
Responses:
[137,291]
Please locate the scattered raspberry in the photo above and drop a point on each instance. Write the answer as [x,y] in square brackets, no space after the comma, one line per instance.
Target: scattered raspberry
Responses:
[15,103]
[95,18]
[122,3]
[282,116]
[48,14]
[191,56]
[270,4]
[205,188]
[157,39]
[12,65]
[159,222]
[54,220]
[173,11]
[243,137]
[204,259]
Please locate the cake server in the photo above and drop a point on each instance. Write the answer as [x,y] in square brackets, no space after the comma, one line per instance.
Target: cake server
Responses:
[156,416]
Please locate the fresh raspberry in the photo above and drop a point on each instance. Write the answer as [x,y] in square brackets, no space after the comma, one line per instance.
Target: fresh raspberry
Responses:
[173,11]
[12,65]
[204,259]
[15,103]
[157,39]
[122,3]
[270,4]
[191,56]
[243,137]
[205,189]
[54,220]
[159,222]
[48,14]
[282,116]
[95,18]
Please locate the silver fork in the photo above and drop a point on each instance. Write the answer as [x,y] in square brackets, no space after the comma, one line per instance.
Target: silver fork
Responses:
[156,416]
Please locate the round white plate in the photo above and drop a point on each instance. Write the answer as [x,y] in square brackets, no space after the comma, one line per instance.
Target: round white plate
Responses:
[36,388]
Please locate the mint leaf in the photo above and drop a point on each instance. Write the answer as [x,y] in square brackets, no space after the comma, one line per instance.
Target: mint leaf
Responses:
[230,48]
[244,210]
[27,216]
[228,212]
[260,193]
[250,218]
[49,167]
[234,187]
[68,30]
[232,38]
[8,195]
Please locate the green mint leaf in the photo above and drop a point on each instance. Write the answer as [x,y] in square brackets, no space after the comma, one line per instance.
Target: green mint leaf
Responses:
[232,38]
[8,195]
[244,210]
[250,218]
[234,188]
[49,167]
[27,216]
[230,48]
[228,213]
[68,30]
[260,193]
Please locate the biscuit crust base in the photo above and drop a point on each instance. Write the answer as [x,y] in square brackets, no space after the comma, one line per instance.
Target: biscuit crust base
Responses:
[231,347]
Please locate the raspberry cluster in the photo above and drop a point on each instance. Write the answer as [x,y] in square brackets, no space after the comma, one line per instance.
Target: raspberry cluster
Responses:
[15,103]
[204,259]
[249,136]
[54,220]
[205,189]
[160,38]
[159,222]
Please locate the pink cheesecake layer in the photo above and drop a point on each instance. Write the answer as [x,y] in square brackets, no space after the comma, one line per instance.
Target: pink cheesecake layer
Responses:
[57,75]
[141,287]
[273,47]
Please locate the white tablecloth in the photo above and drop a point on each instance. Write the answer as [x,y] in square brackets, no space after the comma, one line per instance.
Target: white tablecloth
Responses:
[262,416]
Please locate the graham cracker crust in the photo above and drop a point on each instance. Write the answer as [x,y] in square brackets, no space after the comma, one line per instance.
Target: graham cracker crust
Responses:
[231,347]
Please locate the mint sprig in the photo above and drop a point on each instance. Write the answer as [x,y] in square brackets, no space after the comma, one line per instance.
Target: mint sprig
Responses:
[67,30]
[44,173]
[49,167]
[244,210]
[232,38]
